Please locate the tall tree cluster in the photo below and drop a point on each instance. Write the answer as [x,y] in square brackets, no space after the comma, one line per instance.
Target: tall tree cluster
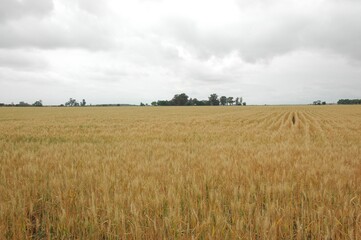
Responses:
[349,101]
[213,100]
[73,103]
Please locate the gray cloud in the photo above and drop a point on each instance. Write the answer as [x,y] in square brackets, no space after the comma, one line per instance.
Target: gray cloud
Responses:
[93,6]
[259,30]
[45,25]
[263,30]
[143,50]
[14,9]
[22,60]
[31,33]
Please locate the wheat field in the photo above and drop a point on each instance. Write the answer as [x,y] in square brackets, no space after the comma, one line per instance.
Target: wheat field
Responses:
[266,172]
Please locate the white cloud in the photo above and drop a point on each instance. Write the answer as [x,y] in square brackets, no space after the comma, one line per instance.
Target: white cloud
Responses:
[273,51]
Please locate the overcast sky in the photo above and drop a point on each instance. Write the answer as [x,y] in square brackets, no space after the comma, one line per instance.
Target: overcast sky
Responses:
[131,51]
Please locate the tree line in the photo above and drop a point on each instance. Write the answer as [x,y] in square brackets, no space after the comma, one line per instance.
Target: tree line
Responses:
[349,101]
[319,102]
[74,103]
[213,100]
[38,103]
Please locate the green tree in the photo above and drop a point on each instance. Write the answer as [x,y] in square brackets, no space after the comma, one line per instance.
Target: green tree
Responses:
[223,100]
[71,103]
[163,103]
[200,102]
[38,103]
[22,104]
[230,100]
[349,101]
[180,99]
[213,99]
[190,102]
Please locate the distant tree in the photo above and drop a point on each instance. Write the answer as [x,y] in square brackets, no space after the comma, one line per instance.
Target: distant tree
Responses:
[83,103]
[23,104]
[195,102]
[38,103]
[200,102]
[180,99]
[230,101]
[323,103]
[318,102]
[163,103]
[142,104]
[223,100]
[190,102]
[205,103]
[244,103]
[71,103]
[213,99]
[237,101]
[183,100]
[349,101]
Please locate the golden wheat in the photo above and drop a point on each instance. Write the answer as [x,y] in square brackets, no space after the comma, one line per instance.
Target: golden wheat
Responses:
[180,173]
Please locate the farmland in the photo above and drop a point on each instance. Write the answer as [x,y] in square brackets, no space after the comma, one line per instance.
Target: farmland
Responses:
[270,172]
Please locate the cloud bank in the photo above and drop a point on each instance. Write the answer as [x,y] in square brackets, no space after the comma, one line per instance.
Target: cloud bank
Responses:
[268,51]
